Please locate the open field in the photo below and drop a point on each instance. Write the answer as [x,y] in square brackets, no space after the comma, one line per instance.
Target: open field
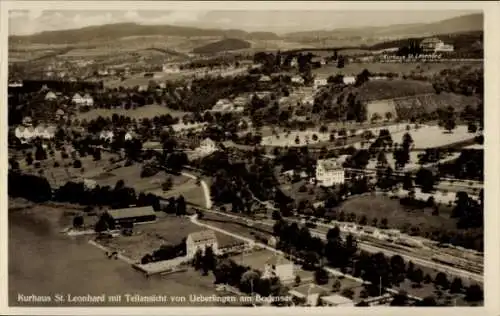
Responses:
[149,237]
[426,69]
[398,217]
[147,111]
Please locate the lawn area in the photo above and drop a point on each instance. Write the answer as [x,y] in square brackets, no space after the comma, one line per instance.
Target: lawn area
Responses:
[147,111]
[377,206]
[149,237]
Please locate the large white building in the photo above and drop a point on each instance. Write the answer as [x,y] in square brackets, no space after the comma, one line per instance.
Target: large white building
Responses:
[329,172]
[201,241]
[434,45]
[26,134]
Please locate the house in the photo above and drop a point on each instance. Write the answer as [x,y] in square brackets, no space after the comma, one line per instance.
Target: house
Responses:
[77,99]
[133,215]
[309,294]
[106,135]
[171,68]
[201,241]
[349,80]
[20,133]
[129,135]
[297,80]
[27,121]
[265,79]
[337,300]
[272,242]
[279,267]
[59,114]
[320,83]
[434,44]
[240,101]
[88,100]
[223,105]
[50,96]
[207,146]
[329,172]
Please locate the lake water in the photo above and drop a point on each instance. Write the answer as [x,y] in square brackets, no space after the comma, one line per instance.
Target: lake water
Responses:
[44,262]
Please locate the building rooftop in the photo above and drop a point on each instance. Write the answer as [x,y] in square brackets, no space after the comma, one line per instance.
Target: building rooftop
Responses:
[206,235]
[132,212]
[329,164]
[336,299]
[304,290]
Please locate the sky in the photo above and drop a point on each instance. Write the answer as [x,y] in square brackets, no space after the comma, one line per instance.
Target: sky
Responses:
[25,22]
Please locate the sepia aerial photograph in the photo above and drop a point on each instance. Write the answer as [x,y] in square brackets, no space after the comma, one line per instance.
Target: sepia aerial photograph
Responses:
[243,158]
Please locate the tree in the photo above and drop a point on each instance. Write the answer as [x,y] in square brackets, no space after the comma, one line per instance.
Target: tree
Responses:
[29,159]
[181,205]
[456,286]
[363,220]
[198,259]
[425,179]
[474,293]
[97,154]
[297,280]
[101,225]
[78,221]
[383,223]
[427,301]
[388,116]
[321,276]
[336,285]
[208,261]
[77,164]
[441,280]
[400,299]
[276,215]
[167,185]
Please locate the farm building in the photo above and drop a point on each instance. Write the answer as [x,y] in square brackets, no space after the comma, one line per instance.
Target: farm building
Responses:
[142,214]
[329,172]
[201,240]
[279,267]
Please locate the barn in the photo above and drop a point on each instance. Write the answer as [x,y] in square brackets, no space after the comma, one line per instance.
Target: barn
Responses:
[132,215]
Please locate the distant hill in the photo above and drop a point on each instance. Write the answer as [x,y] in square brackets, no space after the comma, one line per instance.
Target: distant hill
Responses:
[228,44]
[116,31]
[466,23]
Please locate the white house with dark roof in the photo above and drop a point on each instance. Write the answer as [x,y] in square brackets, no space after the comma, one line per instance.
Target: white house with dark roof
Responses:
[329,172]
[201,241]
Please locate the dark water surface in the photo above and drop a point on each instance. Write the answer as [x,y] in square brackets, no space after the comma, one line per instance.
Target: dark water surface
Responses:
[44,262]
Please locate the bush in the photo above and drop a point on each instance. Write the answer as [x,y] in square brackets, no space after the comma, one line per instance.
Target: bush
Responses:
[77,164]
